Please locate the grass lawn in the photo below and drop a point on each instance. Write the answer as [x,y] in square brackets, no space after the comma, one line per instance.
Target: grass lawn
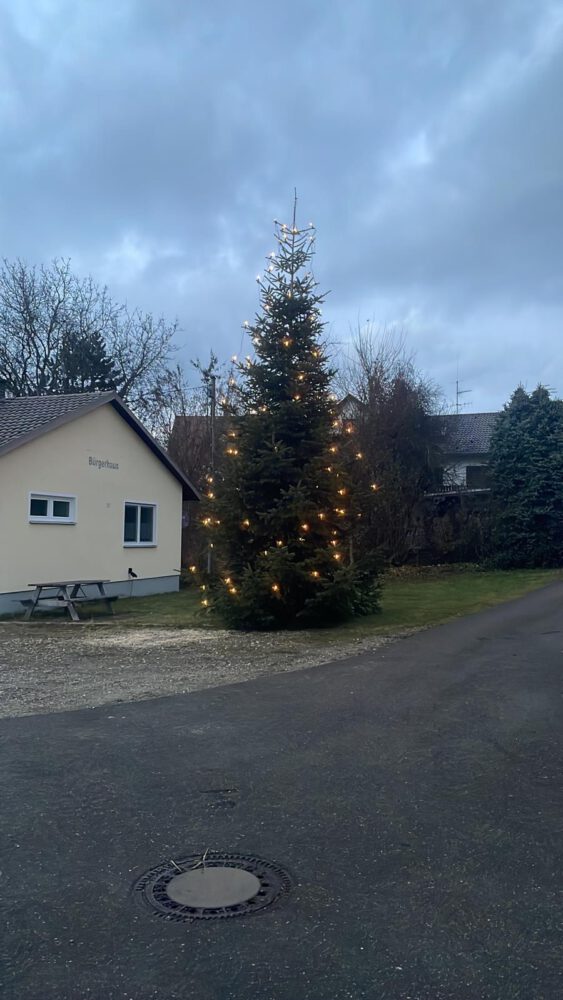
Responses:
[410,598]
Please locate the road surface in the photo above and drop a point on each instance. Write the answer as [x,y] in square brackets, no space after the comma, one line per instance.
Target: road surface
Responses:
[415,794]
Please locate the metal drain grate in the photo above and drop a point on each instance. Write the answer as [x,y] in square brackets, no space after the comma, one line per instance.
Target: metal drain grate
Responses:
[212,886]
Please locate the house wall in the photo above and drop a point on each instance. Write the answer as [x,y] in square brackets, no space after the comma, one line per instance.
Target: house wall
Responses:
[455,467]
[58,462]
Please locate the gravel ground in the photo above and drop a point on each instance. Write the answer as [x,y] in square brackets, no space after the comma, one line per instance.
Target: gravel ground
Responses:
[53,668]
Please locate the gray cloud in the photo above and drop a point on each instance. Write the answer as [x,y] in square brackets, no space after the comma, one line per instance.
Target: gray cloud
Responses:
[155,141]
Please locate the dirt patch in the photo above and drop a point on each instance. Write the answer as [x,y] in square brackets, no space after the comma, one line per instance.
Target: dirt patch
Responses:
[148,638]
[51,668]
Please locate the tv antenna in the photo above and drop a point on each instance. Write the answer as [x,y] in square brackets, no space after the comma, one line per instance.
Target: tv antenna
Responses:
[459,392]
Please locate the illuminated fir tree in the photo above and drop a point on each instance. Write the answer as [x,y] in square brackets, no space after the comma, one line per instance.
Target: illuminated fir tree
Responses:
[280,514]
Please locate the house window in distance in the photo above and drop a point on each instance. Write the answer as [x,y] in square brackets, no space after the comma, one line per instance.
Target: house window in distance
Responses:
[139,524]
[478,477]
[47,508]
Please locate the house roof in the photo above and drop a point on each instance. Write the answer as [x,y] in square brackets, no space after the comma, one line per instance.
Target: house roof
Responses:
[468,433]
[24,418]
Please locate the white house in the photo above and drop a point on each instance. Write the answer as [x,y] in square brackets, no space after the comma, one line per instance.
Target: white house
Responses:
[85,493]
[465,450]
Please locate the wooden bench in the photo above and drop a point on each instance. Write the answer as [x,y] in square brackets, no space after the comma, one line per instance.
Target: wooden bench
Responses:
[68,593]
[59,602]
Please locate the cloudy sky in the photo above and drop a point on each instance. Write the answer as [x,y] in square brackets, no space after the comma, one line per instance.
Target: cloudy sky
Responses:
[154,141]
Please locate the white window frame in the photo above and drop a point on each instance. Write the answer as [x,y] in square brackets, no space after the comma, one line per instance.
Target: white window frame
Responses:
[50,497]
[139,504]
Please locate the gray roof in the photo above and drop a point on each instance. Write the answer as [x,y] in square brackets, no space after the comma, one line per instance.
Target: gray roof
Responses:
[24,418]
[23,415]
[468,433]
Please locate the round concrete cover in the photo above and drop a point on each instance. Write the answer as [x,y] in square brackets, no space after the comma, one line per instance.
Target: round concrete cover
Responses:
[212,887]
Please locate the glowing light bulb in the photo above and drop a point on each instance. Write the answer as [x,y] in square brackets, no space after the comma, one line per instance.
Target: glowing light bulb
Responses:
[315,573]
[275,588]
[211,495]
[205,602]
[321,516]
[246,324]
[337,556]
[296,398]
[232,590]
[234,357]
[304,527]
[246,523]
[333,449]
[342,492]
[359,454]
[374,487]
[279,543]
[301,377]
[193,569]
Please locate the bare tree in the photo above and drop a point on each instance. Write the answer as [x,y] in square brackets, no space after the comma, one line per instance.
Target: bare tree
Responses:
[61,333]
[398,433]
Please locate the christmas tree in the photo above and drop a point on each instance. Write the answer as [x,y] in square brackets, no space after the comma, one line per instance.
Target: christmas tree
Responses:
[280,515]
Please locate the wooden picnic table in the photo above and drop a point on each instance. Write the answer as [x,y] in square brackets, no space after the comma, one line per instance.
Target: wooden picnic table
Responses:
[68,593]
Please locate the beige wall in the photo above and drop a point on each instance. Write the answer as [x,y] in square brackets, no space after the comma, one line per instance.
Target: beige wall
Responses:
[57,462]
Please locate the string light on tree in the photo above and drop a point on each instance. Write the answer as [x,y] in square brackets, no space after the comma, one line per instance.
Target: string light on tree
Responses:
[278,503]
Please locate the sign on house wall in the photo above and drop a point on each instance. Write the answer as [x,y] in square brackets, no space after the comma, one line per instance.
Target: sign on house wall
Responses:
[102,463]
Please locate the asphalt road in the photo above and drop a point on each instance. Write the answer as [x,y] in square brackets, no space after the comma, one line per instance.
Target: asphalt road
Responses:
[415,795]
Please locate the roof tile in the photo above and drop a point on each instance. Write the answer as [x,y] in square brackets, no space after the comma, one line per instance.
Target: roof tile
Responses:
[23,414]
[468,433]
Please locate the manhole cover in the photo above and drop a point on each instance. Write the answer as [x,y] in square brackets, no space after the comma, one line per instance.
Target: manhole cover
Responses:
[212,886]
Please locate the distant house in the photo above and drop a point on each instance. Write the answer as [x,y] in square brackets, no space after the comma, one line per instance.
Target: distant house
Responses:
[85,493]
[465,450]
[349,407]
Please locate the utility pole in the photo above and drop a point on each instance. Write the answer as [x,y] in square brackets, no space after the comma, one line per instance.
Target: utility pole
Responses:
[213,409]
[213,400]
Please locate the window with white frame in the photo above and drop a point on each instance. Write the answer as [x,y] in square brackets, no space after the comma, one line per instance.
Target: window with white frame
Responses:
[52,508]
[139,524]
